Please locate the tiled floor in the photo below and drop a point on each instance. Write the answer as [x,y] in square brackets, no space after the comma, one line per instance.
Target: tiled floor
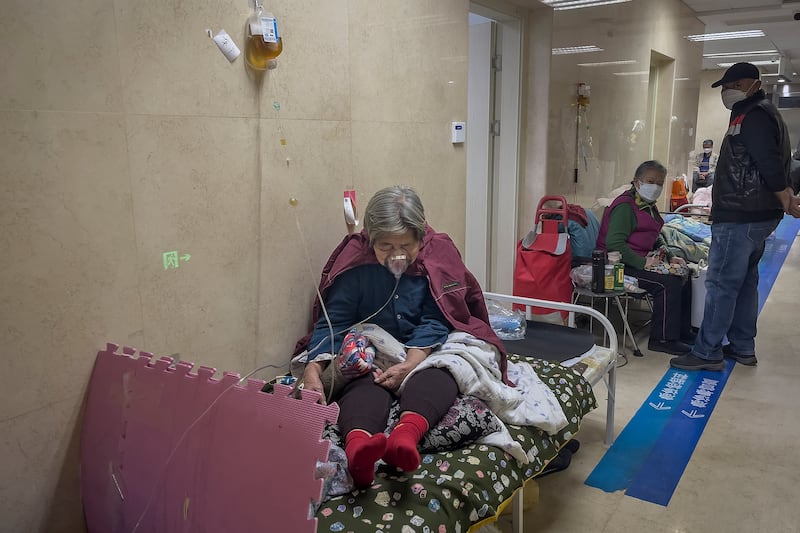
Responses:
[744,475]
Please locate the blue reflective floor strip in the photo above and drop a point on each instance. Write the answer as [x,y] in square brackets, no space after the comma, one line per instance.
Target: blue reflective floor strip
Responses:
[661,471]
[624,459]
[775,252]
[648,458]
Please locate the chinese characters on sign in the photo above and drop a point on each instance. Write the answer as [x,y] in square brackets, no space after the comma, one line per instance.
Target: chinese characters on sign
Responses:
[673,386]
[704,392]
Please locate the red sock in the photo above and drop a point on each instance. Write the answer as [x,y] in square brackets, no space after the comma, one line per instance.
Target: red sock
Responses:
[362,451]
[401,448]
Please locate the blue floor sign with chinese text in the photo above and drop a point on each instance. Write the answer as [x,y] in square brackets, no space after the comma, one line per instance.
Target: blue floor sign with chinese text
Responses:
[648,458]
[651,453]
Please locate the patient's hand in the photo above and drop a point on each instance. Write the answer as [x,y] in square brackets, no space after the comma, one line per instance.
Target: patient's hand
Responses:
[677,261]
[392,377]
[312,380]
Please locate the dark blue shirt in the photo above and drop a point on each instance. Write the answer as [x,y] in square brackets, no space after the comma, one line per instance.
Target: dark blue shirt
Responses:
[704,163]
[411,316]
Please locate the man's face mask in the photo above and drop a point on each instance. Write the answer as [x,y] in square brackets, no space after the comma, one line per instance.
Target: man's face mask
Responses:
[706,150]
[731,97]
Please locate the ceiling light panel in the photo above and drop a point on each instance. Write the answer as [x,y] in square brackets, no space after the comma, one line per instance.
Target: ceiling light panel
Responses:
[765,62]
[725,35]
[608,63]
[750,53]
[576,50]
[560,5]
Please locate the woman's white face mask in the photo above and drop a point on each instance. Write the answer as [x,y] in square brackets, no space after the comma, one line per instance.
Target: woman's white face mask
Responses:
[731,97]
[650,191]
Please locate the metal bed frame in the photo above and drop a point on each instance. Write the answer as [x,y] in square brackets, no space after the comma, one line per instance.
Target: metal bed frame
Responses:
[610,370]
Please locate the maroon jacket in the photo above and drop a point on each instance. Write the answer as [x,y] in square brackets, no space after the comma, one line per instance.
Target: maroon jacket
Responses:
[454,288]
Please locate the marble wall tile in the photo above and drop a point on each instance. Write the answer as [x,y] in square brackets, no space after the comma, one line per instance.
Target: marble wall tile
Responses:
[157,39]
[41,485]
[68,280]
[408,60]
[422,156]
[169,65]
[312,80]
[297,240]
[60,56]
[195,193]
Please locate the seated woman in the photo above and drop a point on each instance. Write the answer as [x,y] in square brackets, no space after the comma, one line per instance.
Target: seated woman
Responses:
[631,225]
[402,276]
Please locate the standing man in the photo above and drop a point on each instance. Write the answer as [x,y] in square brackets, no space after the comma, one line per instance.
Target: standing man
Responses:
[705,163]
[750,195]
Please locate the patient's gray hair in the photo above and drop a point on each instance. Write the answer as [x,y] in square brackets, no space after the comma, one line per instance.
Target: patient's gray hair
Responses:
[650,165]
[392,211]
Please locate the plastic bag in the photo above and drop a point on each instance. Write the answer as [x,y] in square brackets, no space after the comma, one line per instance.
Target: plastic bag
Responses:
[509,325]
[581,276]
[632,285]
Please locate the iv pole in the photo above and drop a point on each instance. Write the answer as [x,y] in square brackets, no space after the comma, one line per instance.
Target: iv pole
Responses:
[582,91]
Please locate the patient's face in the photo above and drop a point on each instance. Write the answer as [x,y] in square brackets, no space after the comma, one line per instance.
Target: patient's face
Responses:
[389,245]
[653,176]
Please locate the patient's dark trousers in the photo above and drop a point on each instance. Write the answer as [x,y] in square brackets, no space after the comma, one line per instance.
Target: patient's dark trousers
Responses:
[365,405]
[672,303]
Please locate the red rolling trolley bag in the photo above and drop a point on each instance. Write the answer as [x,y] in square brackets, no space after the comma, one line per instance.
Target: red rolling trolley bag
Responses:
[544,256]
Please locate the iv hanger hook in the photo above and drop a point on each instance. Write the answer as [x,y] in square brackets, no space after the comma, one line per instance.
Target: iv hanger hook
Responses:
[258,4]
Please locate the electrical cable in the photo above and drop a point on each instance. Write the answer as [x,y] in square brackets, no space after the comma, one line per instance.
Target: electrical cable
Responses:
[295,393]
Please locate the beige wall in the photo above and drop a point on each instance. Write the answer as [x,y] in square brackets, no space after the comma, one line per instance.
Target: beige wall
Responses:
[712,117]
[626,32]
[535,104]
[124,134]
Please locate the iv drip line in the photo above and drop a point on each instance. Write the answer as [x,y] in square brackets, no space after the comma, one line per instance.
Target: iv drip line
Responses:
[296,389]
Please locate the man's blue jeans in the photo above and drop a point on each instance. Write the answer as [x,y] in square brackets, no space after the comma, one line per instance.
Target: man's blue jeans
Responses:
[731,306]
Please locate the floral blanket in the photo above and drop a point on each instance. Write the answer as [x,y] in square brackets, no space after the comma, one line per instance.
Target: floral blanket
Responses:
[454,490]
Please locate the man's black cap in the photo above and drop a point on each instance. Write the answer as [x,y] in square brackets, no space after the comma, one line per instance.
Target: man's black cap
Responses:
[739,71]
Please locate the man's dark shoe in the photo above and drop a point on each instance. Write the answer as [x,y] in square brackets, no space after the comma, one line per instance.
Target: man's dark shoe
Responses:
[692,362]
[573,445]
[748,360]
[670,347]
[560,462]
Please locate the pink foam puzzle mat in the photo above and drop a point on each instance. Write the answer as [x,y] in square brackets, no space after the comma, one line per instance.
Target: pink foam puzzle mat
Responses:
[166,449]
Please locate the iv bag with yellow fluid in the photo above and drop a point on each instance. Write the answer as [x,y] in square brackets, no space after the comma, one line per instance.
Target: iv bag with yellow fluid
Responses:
[263,42]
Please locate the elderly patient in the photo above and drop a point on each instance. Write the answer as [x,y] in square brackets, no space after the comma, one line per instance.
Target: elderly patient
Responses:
[402,276]
[632,225]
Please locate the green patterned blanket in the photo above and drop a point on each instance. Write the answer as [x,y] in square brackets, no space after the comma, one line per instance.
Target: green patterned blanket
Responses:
[454,490]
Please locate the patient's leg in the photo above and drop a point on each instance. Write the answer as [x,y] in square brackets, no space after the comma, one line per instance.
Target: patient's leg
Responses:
[426,398]
[363,410]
